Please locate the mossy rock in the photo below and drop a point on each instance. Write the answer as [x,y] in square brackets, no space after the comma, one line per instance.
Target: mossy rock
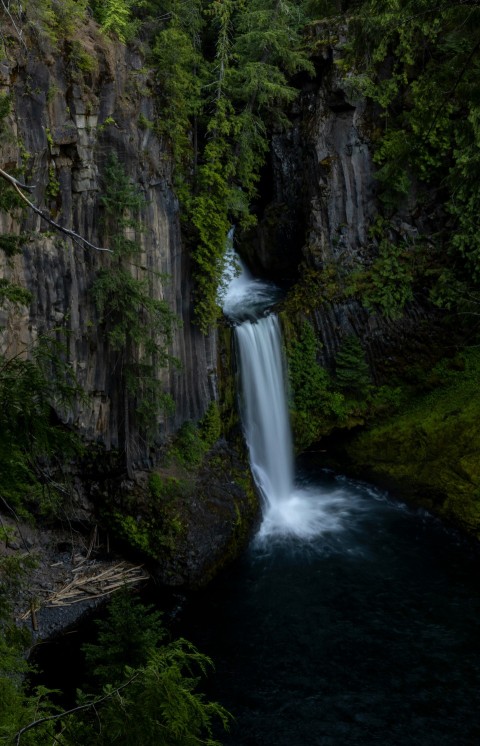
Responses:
[431,451]
[188,524]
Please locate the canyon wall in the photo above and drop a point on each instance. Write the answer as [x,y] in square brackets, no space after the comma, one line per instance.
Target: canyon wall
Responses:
[70,111]
[315,219]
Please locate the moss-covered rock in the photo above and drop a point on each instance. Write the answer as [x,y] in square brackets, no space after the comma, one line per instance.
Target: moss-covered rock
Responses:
[188,520]
[431,450]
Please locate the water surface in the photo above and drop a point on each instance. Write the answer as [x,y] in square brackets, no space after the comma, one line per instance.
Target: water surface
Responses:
[366,633]
[351,620]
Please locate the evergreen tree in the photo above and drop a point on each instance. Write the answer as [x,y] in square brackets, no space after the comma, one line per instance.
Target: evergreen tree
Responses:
[351,369]
[138,326]
[126,637]
[258,46]
[419,61]
[176,55]
[114,16]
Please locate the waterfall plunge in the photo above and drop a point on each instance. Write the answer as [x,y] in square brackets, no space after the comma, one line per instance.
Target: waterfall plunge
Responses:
[287,510]
[264,409]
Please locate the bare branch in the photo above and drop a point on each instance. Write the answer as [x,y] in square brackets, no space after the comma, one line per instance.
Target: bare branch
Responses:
[76,238]
[6,8]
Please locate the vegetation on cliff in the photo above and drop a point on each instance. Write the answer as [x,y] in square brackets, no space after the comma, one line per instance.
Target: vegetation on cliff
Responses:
[225,74]
[430,449]
[418,62]
[417,65]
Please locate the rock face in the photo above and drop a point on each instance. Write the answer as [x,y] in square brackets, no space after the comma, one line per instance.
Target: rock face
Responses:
[322,203]
[68,114]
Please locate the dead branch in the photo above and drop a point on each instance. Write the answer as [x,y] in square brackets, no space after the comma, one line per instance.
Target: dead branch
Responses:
[19,31]
[91,582]
[76,238]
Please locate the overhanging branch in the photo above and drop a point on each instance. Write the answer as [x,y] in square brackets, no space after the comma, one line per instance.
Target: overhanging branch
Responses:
[76,238]
[93,704]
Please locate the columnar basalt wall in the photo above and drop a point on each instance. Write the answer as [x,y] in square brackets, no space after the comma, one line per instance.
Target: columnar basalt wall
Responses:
[63,125]
[323,200]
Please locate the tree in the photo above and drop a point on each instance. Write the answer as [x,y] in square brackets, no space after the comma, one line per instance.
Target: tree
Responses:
[258,47]
[149,691]
[352,373]
[420,63]
[178,62]
[126,636]
[138,326]
[114,17]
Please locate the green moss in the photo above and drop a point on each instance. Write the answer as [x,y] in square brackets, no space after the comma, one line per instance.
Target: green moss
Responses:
[228,391]
[314,288]
[431,449]
[210,426]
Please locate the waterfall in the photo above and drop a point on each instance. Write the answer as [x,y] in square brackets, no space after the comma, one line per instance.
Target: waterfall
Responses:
[288,510]
[263,407]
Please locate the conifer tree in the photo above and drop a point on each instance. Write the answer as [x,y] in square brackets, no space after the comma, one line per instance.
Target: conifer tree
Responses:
[351,369]
[114,16]
[138,326]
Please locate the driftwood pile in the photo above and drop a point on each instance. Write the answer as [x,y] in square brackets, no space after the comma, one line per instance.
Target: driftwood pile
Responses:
[90,582]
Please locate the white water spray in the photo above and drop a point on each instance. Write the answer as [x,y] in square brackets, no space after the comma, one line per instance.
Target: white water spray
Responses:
[264,409]
[287,510]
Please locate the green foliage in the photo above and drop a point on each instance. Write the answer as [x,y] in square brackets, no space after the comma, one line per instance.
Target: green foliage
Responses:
[159,707]
[316,405]
[9,199]
[125,637]
[313,288]
[188,448]
[54,18]
[30,436]
[114,17]
[165,488]
[387,285]
[139,326]
[13,571]
[193,441]
[430,447]
[156,522]
[390,281]
[13,293]
[5,108]
[81,60]
[351,369]
[419,62]
[17,706]
[217,109]
[149,689]
[211,425]
[178,64]
[155,527]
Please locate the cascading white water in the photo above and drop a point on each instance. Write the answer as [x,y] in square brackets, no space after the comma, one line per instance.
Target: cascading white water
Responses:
[288,510]
[264,409]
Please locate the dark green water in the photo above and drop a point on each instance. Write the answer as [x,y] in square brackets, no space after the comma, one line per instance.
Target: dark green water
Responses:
[367,634]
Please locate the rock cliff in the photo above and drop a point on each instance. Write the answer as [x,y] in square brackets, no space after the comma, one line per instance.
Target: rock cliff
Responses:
[69,112]
[319,205]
